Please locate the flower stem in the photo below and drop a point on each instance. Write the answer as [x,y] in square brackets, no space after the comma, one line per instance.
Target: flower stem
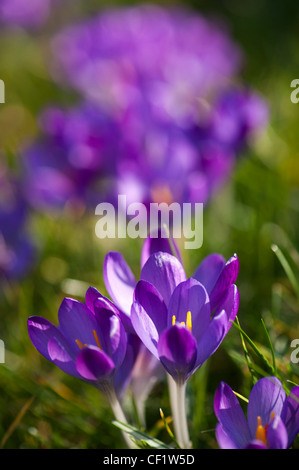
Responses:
[177,401]
[118,413]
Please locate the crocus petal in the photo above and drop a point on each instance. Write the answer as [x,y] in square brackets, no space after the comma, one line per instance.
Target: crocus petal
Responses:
[290,414]
[61,356]
[40,332]
[93,364]
[119,281]
[218,327]
[267,396]
[227,277]
[91,295]
[158,242]
[190,296]
[177,352]
[150,299]
[224,441]
[231,417]
[165,272]
[256,445]
[76,321]
[277,435]
[145,328]
[50,342]
[110,331]
[209,270]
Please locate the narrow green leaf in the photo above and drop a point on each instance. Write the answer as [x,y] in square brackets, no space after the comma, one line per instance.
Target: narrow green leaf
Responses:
[286,266]
[255,349]
[142,439]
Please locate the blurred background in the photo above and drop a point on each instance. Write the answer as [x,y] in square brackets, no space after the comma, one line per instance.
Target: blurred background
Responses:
[248,181]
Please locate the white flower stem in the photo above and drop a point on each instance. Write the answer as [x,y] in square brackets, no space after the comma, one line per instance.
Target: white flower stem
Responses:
[177,392]
[119,414]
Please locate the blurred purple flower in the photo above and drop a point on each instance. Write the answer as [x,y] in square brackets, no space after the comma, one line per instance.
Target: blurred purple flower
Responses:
[24,13]
[17,251]
[73,160]
[167,121]
[272,417]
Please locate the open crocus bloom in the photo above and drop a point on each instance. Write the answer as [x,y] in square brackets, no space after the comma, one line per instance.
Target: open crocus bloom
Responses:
[89,343]
[172,315]
[272,417]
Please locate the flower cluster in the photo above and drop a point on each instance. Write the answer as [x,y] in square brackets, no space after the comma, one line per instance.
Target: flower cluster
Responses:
[160,118]
[165,321]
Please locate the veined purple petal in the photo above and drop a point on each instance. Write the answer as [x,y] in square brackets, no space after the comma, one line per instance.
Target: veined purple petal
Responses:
[230,416]
[209,270]
[119,281]
[93,364]
[177,352]
[267,396]
[91,295]
[290,414]
[76,321]
[62,356]
[190,296]
[218,327]
[161,242]
[226,278]
[150,299]
[223,439]
[145,328]
[50,342]
[110,331]
[277,435]
[165,272]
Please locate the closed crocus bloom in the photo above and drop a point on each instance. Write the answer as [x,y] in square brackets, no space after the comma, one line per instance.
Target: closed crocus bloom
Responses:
[90,343]
[272,417]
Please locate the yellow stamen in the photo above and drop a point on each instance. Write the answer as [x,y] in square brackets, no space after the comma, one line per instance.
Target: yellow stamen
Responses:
[96,338]
[81,345]
[189,321]
[260,431]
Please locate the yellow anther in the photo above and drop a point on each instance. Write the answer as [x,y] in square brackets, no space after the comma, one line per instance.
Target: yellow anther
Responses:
[96,338]
[189,321]
[260,434]
[81,345]
[173,320]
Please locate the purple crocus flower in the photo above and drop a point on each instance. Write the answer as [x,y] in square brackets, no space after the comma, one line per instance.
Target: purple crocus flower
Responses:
[272,416]
[28,14]
[173,315]
[17,251]
[89,343]
[73,161]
